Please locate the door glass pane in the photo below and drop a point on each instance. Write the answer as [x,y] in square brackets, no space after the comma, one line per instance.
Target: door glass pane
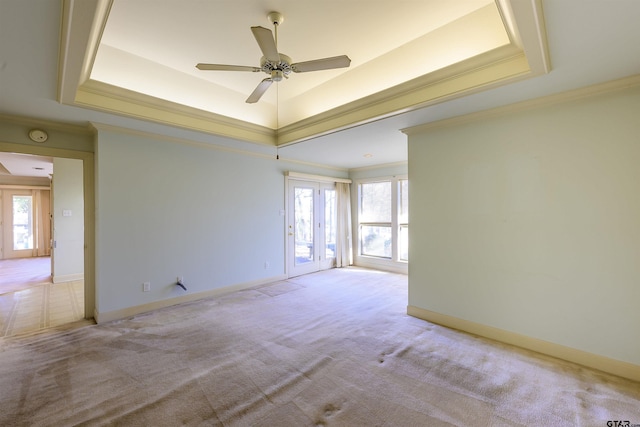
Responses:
[376,241]
[22,225]
[303,223]
[376,202]
[330,223]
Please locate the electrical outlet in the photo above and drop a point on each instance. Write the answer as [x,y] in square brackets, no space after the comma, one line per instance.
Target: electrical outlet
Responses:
[146,286]
[180,279]
[266,265]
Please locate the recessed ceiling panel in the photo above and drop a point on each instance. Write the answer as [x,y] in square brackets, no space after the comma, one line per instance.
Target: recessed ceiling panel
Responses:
[152,48]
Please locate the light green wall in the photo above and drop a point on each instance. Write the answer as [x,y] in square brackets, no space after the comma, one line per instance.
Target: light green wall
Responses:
[166,209]
[530,223]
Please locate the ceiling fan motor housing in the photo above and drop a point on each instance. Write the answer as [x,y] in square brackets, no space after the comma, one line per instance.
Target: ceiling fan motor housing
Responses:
[277,70]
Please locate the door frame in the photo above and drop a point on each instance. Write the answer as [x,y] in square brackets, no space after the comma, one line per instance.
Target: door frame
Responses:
[88,175]
[312,265]
[322,182]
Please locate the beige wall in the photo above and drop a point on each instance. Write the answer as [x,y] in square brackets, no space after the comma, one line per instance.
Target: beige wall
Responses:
[68,220]
[530,222]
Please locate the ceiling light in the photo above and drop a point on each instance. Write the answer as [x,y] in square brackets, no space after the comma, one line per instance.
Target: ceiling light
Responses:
[368,155]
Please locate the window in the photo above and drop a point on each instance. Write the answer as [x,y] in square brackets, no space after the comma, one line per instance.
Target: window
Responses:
[22,222]
[384,219]
[375,219]
[403,220]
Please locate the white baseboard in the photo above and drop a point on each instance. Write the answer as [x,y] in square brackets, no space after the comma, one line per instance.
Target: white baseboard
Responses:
[67,278]
[101,317]
[595,361]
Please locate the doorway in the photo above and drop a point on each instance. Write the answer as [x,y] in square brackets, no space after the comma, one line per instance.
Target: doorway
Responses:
[88,212]
[33,297]
[311,226]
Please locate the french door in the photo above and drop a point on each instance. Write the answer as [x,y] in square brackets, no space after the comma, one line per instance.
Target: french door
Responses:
[18,224]
[311,226]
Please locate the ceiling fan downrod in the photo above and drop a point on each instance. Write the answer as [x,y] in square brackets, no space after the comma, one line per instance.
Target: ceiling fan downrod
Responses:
[275,19]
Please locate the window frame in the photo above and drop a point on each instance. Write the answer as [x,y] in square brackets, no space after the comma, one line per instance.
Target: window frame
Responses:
[394,263]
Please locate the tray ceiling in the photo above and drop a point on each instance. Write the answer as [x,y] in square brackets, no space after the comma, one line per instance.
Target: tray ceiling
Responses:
[138,59]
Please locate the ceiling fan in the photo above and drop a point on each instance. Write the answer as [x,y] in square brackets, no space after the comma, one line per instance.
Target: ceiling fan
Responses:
[276,64]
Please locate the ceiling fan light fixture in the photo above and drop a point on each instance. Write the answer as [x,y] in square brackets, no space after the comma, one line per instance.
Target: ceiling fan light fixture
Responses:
[276,75]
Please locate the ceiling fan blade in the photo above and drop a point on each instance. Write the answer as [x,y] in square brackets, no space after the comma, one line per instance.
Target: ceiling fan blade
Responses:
[221,67]
[267,44]
[259,91]
[341,61]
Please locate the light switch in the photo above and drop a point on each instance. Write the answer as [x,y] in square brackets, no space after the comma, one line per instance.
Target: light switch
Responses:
[66,212]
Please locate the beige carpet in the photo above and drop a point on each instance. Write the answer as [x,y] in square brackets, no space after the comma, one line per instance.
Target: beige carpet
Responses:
[334,348]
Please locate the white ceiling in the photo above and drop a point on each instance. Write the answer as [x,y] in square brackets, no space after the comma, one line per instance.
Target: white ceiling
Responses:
[21,165]
[589,41]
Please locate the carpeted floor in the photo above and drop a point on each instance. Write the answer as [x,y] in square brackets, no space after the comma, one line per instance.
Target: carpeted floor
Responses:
[332,348]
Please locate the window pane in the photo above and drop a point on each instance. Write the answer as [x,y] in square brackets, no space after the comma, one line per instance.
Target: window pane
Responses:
[403,251]
[404,201]
[330,222]
[376,241]
[22,227]
[376,202]
[303,221]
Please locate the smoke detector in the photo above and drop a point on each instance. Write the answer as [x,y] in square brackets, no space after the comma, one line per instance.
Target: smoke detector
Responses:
[38,135]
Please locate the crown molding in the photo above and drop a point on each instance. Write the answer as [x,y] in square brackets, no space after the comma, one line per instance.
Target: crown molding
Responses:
[49,124]
[527,56]
[497,67]
[104,97]
[524,21]
[544,101]
[380,166]
[84,21]
[177,140]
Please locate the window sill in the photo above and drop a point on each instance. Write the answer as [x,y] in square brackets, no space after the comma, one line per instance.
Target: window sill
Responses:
[382,264]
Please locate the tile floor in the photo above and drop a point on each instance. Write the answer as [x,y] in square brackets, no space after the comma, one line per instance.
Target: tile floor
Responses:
[41,307]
